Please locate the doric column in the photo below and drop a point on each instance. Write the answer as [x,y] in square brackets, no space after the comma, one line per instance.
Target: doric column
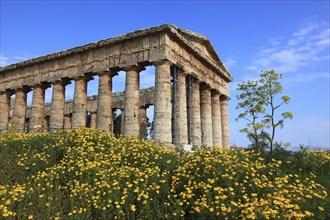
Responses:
[216,119]
[4,110]
[143,121]
[195,112]
[93,119]
[19,110]
[67,121]
[132,101]
[206,116]
[79,109]
[57,109]
[224,121]
[162,103]
[37,108]
[122,118]
[180,135]
[104,119]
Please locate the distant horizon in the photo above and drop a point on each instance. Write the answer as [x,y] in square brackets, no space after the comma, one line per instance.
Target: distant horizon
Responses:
[291,37]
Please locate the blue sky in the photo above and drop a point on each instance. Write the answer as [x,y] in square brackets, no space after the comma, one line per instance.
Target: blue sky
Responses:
[249,36]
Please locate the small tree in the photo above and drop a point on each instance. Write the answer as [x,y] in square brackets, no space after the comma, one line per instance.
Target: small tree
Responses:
[259,101]
[271,88]
[252,103]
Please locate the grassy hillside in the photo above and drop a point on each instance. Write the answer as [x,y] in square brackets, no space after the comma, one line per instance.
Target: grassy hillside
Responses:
[87,174]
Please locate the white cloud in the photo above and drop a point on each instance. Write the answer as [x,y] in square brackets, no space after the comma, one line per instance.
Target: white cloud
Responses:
[230,62]
[305,47]
[308,77]
[7,60]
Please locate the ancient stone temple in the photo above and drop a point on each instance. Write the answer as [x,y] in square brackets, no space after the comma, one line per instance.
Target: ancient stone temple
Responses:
[190,95]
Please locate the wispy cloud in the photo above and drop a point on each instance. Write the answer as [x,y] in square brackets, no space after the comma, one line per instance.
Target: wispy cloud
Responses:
[305,47]
[7,60]
[308,77]
[230,62]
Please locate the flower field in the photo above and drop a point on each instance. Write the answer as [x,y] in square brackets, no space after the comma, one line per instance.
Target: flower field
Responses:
[87,174]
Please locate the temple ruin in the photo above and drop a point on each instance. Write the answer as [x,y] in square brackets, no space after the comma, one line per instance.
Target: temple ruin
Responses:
[190,95]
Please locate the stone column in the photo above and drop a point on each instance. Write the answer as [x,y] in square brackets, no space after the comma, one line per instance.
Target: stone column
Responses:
[104,119]
[57,108]
[37,108]
[79,110]
[224,121]
[206,116]
[67,121]
[19,110]
[93,119]
[122,117]
[180,109]
[143,122]
[196,113]
[132,101]
[4,110]
[216,119]
[162,103]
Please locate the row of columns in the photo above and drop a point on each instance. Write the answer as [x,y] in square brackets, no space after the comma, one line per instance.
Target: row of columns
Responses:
[208,114]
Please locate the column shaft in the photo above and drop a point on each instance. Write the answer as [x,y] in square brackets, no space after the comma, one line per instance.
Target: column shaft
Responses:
[196,114]
[180,109]
[93,119]
[37,108]
[162,103]
[224,122]
[216,119]
[57,109]
[206,116]
[67,121]
[4,110]
[104,102]
[132,102]
[19,110]
[143,122]
[79,110]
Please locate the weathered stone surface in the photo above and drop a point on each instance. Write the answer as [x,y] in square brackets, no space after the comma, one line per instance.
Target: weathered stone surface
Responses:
[37,109]
[216,119]
[162,103]
[4,110]
[57,109]
[93,120]
[180,135]
[195,113]
[104,102]
[132,101]
[79,102]
[143,122]
[206,116]
[18,121]
[224,121]
[67,121]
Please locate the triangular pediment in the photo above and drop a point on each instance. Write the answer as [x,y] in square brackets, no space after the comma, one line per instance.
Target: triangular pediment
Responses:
[202,44]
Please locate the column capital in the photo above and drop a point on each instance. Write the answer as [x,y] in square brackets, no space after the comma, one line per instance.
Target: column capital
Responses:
[111,72]
[224,97]
[24,89]
[63,81]
[86,77]
[204,85]
[162,62]
[135,67]
[43,85]
[215,92]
